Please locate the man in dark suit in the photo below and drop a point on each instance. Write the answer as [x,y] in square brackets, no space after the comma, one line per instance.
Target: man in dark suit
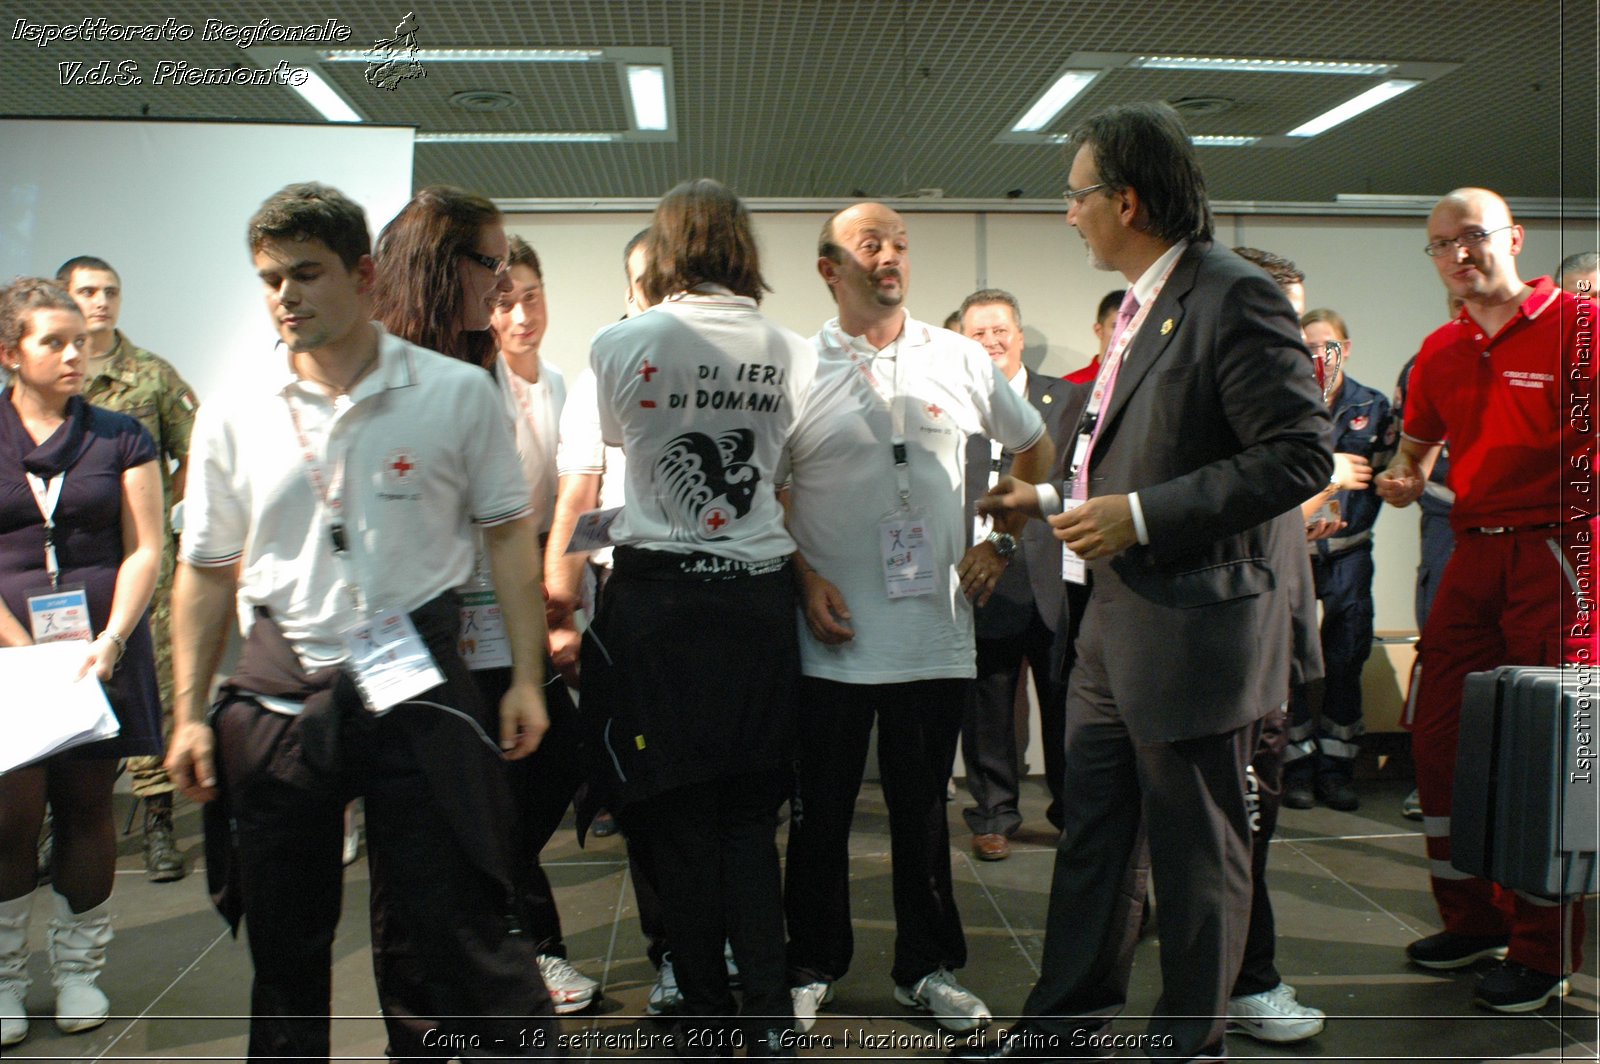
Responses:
[1203,434]
[1020,619]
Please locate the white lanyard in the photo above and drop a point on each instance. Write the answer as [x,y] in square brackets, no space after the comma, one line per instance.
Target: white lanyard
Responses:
[330,492]
[47,494]
[896,401]
[1109,368]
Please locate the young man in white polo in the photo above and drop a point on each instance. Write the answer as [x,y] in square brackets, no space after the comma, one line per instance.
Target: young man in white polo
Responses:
[335,501]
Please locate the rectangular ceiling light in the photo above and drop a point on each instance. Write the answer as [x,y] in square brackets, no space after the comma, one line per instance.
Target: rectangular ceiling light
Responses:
[1265,66]
[647,85]
[516,138]
[1374,96]
[476,55]
[1223,142]
[320,94]
[1054,100]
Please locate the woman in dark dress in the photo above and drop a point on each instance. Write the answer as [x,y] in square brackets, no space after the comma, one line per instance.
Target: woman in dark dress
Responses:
[95,473]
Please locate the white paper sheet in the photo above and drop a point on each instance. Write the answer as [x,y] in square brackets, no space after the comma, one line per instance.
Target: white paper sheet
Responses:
[45,708]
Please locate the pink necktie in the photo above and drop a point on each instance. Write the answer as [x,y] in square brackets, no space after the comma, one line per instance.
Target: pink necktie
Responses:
[1130,307]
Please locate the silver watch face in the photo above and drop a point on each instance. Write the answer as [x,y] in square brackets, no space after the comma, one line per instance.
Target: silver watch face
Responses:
[1005,544]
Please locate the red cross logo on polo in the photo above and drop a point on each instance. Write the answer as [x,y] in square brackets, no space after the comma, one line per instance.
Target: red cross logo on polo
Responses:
[715,520]
[400,467]
[935,411]
[1359,422]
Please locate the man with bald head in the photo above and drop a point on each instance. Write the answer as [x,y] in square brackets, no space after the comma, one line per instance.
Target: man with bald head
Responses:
[1498,382]
[876,509]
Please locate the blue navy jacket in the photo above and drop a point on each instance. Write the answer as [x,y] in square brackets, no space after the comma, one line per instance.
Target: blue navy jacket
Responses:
[1360,422]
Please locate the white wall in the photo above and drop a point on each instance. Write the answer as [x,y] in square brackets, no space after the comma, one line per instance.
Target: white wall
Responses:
[166,204]
[1371,270]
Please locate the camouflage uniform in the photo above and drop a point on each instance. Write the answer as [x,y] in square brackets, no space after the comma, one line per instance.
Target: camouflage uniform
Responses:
[146,388]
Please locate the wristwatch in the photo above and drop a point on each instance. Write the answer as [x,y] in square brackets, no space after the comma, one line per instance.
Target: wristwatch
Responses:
[1004,544]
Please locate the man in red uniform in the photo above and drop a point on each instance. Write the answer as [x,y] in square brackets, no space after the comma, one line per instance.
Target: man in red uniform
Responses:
[1499,382]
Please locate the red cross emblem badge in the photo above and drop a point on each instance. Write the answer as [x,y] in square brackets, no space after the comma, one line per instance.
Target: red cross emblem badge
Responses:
[400,467]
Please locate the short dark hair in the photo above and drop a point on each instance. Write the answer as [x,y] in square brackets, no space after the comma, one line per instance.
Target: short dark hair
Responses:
[986,296]
[65,271]
[701,234]
[522,254]
[953,322]
[634,241]
[1282,271]
[312,211]
[1329,317]
[418,294]
[1109,302]
[1581,262]
[1143,146]
[21,298]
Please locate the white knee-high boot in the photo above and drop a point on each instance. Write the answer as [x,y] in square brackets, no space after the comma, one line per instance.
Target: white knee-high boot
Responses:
[14,969]
[77,953]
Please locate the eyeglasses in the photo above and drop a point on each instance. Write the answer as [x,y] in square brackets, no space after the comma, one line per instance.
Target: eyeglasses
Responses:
[1075,195]
[1470,239]
[494,266]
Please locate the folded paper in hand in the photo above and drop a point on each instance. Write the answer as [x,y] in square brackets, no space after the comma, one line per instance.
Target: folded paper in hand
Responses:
[47,708]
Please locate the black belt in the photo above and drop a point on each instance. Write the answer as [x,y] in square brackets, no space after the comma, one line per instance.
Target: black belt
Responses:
[1502,530]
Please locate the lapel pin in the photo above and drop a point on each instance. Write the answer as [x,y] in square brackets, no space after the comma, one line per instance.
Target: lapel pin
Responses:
[1166,327]
[1049,398]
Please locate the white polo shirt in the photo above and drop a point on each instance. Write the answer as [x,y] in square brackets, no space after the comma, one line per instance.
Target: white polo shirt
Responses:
[583,452]
[426,452]
[701,391]
[843,484]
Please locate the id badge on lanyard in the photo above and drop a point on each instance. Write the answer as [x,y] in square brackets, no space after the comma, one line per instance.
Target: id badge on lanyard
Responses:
[482,640]
[388,659]
[55,614]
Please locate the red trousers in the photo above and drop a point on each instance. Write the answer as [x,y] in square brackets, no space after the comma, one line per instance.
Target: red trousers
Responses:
[1506,599]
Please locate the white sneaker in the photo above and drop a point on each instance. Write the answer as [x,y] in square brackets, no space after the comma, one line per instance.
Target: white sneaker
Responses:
[1274,1016]
[570,990]
[807,1000]
[1411,808]
[665,995]
[352,842]
[953,1005]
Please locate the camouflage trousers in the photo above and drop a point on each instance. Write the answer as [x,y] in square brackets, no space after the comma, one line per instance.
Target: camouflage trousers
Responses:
[146,774]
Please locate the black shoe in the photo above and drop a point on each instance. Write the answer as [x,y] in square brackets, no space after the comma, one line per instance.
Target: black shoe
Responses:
[162,861]
[1336,792]
[1514,987]
[1448,950]
[1297,794]
[604,825]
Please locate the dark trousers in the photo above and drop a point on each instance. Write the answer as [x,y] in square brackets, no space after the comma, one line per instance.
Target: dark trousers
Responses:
[646,895]
[989,728]
[1178,808]
[1264,796]
[917,727]
[452,949]
[715,854]
[1330,745]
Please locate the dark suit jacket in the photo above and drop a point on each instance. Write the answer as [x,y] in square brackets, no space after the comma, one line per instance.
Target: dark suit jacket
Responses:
[1033,579]
[1217,422]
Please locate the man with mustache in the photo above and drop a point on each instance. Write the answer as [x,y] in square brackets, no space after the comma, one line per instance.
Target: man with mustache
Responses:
[876,509]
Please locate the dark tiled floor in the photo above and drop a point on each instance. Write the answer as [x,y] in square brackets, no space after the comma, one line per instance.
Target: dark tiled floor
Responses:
[1350,891]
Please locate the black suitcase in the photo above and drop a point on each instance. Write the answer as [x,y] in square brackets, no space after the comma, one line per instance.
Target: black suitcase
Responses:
[1525,813]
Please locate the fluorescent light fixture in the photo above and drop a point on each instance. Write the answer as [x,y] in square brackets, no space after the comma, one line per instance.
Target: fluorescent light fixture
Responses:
[648,87]
[320,94]
[527,137]
[1265,66]
[1223,142]
[476,55]
[1374,96]
[1054,100]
